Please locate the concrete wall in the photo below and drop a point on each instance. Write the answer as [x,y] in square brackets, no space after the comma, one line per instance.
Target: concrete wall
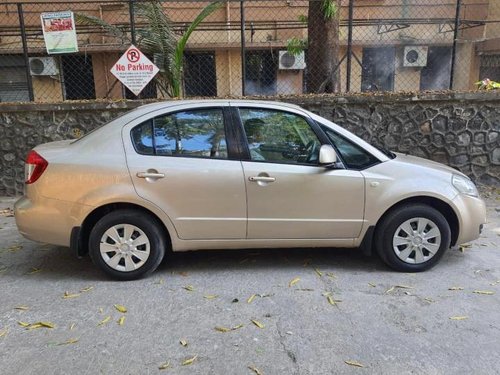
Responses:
[460,129]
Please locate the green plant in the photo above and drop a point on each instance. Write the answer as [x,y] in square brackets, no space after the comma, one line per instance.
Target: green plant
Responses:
[295,45]
[487,84]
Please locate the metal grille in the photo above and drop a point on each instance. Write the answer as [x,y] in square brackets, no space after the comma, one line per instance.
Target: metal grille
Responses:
[252,47]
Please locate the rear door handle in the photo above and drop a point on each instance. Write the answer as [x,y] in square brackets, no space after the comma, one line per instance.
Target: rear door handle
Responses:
[261,179]
[152,175]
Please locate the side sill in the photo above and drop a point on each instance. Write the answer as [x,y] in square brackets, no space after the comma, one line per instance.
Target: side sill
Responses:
[367,243]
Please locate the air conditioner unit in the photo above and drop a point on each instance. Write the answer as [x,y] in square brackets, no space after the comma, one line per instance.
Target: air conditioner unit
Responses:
[43,66]
[290,61]
[415,56]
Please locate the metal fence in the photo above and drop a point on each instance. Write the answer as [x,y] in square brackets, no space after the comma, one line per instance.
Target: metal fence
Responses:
[254,47]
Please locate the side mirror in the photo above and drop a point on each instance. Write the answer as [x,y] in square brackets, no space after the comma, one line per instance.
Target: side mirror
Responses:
[327,155]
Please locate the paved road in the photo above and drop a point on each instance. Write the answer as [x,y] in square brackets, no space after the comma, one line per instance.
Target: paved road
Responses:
[391,323]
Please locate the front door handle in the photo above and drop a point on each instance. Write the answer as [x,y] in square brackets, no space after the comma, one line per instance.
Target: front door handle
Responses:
[152,175]
[262,179]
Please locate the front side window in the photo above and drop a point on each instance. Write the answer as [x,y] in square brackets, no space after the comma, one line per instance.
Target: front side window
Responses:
[197,133]
[279,137]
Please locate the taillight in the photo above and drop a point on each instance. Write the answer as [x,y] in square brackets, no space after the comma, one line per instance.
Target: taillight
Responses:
[35,165]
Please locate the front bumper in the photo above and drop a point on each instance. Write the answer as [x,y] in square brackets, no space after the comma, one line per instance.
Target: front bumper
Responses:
[471,212]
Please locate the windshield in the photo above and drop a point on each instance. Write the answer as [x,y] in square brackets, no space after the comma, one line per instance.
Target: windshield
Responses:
[385,151]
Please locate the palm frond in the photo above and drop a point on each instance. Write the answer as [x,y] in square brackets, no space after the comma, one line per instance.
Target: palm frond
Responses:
[85,20]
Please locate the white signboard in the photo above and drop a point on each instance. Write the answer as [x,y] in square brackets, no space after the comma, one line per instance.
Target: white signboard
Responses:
[59,32]
[134,70]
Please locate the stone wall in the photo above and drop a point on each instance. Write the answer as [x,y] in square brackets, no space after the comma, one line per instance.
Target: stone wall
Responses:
[458,129]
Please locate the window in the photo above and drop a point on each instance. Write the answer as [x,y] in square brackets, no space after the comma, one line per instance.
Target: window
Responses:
[13,80]
[490,67]
[378,69]
[78,77]
[198,133]
[353,156]
[261,69]
[436,75]
[279,137]
[199,74]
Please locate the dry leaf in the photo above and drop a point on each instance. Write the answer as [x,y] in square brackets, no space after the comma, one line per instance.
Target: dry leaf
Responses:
[255,369]
[70,341]
[104,321]
[47,324]
[34,326]
[3,332]
[487,292]
[318,272]
[294,281]
[331,275]
[458,317]
[257,323]
[72,326]
[183,343]
[354,363]
[332,301]
[121,321]
[236,327]
[34,270]
[87,289]
[456,288]
[70,295]
[222,329]
[23,324]
[189,361]
[398,286]
[189,288]
[14,248]
[101,310]
[159,282]
[164,366]
[305,290]
[372,285]
[210,296]
[251,298]
[121,308]
[22,307]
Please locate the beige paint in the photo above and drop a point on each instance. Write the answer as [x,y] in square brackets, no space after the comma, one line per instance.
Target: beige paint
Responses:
[228,72]
[105,82]
[47,89]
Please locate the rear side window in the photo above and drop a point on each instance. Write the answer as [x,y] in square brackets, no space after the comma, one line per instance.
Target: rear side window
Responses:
[353,156]
[197,133]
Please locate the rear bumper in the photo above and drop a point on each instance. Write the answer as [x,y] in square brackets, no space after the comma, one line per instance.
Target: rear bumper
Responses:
[471,216]
[47,220]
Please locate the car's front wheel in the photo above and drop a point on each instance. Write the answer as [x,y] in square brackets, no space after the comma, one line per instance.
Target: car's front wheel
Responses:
[127,244]
[412,237]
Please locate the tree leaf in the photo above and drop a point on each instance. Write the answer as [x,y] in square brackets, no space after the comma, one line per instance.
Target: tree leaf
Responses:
[210,296]
[487,292]
[183,342]
[121,320]
[251,298]
[164,366]
[294,281]
[354,363]
[22,307]
[189,361]
[189,288]
[70,341]
[3,332]
[23,324]
[34,326]
[456,288]
[121,308]
[34,270]
[459,317]
[255,369]
[372,285]
[72,326]
[87,289]
[47,324]
[70,295]
[257,323]
[318,272]
[104,321]
[222,329]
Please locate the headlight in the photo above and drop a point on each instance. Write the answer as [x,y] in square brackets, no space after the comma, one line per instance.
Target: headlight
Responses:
[464,185]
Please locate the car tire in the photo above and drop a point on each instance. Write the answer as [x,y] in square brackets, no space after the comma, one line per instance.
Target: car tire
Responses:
[412,237]
[127,244]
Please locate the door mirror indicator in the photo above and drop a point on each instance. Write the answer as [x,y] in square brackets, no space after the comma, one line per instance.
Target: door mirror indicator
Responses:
[327,156]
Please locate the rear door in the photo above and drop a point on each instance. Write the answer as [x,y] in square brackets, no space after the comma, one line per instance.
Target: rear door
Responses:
[183,162]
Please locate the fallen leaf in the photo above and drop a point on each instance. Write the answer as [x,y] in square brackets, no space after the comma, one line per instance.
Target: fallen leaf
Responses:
[14,248]
[34,326]
[372,285]
[222,329]
[159,282]
[47,324]
[184,274]
[257,323]
[121,320]
[354,363]
[34,270]
[458,317]
[70,341]
[3,332]
[392,288]
[22,307]
[23,324]
[104,321]
[87,289]
[183,342]
[331,275]
[101,310]
[251,298]
[236,327]
[456,288]
[318,272]
[189,361]
[332,301]
[72,326]
[164,366]
[305,290]
[294,281]
[121,308]
[210,296]
[70,295]
[487,292]
[255,369]
[189,288]
[430,300]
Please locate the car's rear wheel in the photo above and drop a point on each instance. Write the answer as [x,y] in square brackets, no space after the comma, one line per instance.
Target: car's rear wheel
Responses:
[412,238]
[127,244]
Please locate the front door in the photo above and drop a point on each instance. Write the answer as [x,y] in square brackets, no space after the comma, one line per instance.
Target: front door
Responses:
[289,195]
[179,161]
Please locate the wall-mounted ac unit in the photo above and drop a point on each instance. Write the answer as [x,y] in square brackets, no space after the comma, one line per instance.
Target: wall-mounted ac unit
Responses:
[292,62]
[43,66]
[415,56]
